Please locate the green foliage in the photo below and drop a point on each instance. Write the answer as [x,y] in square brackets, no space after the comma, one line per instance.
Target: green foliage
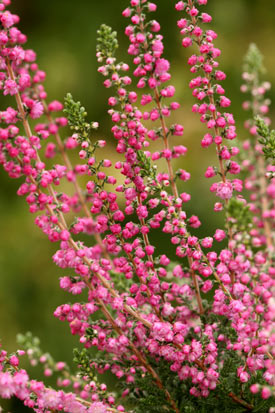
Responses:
[106,41]
[145,396]
[76,115]
[148,168]
[83,361]
[240,215]
[228,379]
[260,405]
[30,344]
[224,326]
[253,61]
[121,283]
[267,138]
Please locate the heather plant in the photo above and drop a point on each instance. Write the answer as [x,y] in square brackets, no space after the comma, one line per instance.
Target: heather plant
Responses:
[185,335]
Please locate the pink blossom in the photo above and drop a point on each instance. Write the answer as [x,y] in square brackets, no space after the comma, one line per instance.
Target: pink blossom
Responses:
[224,190]
[10,87]
[36,110]
[210,172]
[219,235]
[97,407]
[180,6]
[206,18]
[55,106]
[135,293]
[178,130]
[186,42]
[7,19]
[162,66]
[6,385]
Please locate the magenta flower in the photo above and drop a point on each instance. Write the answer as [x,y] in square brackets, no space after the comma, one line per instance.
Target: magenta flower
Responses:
[224,190]
[10,87]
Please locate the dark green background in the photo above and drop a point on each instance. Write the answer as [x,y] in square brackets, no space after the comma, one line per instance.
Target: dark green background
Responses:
[63,33]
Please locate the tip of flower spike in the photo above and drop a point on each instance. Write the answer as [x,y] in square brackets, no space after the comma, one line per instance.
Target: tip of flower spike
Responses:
[253,60]
[106,42]
[267,138]
[76,115]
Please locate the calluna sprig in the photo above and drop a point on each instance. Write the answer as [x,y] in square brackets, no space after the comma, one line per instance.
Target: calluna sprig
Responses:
[267,139]
[195,334]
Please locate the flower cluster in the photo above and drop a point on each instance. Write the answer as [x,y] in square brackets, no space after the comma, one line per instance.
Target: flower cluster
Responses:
[167,341]
[212,101]
[259,178]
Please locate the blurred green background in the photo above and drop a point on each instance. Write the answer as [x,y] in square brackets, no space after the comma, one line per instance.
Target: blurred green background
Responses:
[63,33]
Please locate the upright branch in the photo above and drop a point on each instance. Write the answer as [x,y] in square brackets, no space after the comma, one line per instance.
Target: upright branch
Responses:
[261,146]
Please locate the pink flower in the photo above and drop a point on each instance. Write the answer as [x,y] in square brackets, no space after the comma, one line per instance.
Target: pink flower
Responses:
[182,23]
[266,393]
[210,172]
[162,66]
[24,81]
[186,41]
[7,388]
[180,6]
[10,87]
[3,38]
[55,106]
[7,19]
[178,130]
[225,102]
[207,242]
[220,75]
[149,249]
[219,235]
[97,407]
[162,331]
[14,361]
[152,7]
[271,190]
[36,109]
[9,115]
[157,48]
[206,18]
[224,190]
[207,286]
[126,12]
